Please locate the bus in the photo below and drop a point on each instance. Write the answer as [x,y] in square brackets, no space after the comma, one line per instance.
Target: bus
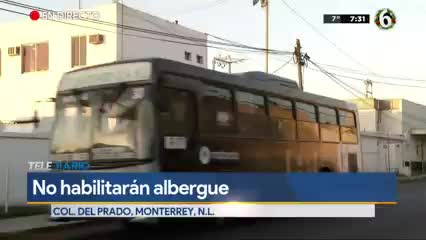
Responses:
[151,115]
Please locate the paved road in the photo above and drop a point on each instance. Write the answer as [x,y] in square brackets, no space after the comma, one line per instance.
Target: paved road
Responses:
[405,220]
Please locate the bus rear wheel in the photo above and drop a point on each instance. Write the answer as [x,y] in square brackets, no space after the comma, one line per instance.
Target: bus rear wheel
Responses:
[325,169]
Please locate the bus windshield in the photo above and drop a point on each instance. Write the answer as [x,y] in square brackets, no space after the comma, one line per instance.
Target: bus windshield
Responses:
[72,128]
[103,121]
[115,123]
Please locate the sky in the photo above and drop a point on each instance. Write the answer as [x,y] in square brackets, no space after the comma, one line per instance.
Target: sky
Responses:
[397,52]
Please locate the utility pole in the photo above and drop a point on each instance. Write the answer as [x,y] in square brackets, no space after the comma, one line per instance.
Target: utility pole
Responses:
[368,88]
[300,62]
[223,61]
[266,4]
[122,29]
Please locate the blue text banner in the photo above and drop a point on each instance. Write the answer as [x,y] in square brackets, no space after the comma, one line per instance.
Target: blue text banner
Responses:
[87,187]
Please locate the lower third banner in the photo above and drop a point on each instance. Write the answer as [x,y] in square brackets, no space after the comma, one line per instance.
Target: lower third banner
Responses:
[90,194]
[237,210]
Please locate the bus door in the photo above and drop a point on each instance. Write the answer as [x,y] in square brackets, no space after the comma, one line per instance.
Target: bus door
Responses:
[177,127]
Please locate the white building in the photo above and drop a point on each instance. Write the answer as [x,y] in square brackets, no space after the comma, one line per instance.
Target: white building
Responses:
[34,54]
[394,130]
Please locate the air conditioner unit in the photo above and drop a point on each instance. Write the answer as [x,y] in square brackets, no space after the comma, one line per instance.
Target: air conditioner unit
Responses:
[14,51]
[96,39]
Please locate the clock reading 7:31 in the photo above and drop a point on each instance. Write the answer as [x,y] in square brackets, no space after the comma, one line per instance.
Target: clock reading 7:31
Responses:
[346,18]
[358,19]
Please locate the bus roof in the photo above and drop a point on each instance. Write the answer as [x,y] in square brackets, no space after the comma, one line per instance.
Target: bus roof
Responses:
[257,81]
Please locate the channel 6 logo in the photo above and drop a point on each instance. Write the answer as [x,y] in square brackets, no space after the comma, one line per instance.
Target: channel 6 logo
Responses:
[385,19]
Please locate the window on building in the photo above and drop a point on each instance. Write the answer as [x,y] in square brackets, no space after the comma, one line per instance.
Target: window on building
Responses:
[78,51]
[188,56]
[35,57]
[306,112]
[250,103]
[280,108]
[346,118]
[327,115]
[200,59]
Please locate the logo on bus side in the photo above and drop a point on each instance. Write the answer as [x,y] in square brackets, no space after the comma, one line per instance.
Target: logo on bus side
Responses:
[206,156]
[223,118]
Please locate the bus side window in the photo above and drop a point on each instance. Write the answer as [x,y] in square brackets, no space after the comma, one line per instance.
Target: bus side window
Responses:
[177,112]
[328,124]
[217,115]
[307,128]
[348,128]
[346,118]
[282,119]
[250,103]
[252,118]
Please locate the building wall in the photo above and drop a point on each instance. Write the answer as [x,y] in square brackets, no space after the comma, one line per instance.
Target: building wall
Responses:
[16,151]
[24,89]
[370,155]
[383,153]
[390,121]
[384,121]
[414,115]
[368,120]
[137,47]
[19,91]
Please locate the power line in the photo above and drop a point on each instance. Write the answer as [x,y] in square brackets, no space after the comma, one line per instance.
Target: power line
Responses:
[200,8]
[336,80]
[94,28]
[139,36]
[323,36]
[339,67]
[359,72]
[282,66]
[377,82]
[148,31]
[351,90]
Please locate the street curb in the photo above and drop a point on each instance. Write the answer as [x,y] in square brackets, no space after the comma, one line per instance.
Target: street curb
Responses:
[411,179]
[71,230]
[58,226]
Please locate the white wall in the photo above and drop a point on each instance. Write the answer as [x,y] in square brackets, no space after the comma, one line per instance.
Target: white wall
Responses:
[19,91]
[137,47]
[391,122]
[368,120]
[370,155]
[379,156]
[16,150]
[414,115]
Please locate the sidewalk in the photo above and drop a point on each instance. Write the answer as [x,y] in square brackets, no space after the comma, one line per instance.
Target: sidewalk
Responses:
[19,224]
[412,178]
